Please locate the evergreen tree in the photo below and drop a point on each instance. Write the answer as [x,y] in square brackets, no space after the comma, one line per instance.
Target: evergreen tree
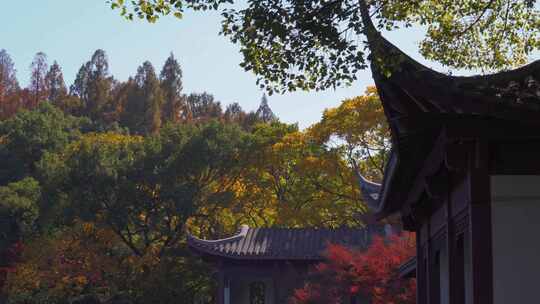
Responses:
[234,113]
[38,84]
[264,113]
[201,107]
[55,82]
[93,85]
[79,87]
[130,104]
[144,101]
[171,85]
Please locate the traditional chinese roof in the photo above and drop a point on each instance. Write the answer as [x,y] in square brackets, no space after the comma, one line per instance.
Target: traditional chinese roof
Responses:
[280,243]
[419,101]
[370,192]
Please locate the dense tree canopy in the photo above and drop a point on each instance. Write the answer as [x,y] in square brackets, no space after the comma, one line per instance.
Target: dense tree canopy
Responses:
[25,137]
[102,182]
[319,44]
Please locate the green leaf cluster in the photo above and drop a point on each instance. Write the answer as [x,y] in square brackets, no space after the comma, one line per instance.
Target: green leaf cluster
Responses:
[320,44]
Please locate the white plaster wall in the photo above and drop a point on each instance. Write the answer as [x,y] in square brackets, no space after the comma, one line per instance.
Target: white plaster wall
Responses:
[516,234]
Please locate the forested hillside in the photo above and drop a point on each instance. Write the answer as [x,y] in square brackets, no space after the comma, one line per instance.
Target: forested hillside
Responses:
[101,181]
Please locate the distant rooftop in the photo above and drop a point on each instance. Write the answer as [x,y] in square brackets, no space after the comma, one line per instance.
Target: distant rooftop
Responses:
[280,243]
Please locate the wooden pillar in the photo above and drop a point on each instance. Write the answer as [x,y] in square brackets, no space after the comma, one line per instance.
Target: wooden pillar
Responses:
[480,226]
[450,245]
[275,282]
[428,266]
[227,291]
[421,281]
[224,286]
[221,286]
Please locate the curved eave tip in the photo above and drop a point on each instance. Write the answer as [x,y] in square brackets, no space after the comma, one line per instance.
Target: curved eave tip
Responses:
[370,192]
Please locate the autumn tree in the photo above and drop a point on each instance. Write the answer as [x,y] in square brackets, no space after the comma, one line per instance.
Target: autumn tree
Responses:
[84,259]
[38,88]
[315,45]
[371,274]
[171,85]
[145,190]
[18,212]
[89,260]
[307,184]
[357,128]
[291,181]
[8,85]
[8,78]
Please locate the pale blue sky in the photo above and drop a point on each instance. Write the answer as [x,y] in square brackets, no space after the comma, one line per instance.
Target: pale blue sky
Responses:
[70,30]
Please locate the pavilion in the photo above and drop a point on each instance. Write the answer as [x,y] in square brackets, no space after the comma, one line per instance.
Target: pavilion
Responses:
[464,174]
[265,265]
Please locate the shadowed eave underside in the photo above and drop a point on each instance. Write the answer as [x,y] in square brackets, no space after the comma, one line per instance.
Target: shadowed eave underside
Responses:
[418,101]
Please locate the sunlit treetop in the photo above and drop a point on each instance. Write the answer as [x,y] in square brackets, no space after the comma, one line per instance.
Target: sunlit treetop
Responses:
[315,45]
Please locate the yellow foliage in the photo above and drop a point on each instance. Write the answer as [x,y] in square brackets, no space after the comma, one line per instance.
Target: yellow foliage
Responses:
[356,120]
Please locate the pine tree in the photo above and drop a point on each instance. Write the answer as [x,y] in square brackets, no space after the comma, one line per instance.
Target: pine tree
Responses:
[38,85]
[55,83]
[264,113]
[171,85]
[144,101]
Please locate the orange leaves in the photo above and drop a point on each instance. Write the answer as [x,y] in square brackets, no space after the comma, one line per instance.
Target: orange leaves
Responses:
[65,265]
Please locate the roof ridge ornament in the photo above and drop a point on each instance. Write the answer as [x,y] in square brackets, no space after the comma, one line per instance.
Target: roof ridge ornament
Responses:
[370,190]
[241,233]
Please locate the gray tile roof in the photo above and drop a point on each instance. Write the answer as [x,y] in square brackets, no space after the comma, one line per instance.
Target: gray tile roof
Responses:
[280,243]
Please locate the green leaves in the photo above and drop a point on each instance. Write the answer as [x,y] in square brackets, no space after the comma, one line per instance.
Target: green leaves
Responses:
[19,199]
[152,10]
[318,44]
[473,34]
[27,135]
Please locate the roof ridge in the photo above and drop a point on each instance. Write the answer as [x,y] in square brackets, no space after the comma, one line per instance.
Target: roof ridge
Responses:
[242,232]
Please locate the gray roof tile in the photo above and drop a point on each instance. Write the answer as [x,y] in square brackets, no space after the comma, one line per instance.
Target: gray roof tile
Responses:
[279,243]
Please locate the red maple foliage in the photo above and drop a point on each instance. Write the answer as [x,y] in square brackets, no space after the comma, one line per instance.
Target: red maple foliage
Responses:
[369,274]
[9,258]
